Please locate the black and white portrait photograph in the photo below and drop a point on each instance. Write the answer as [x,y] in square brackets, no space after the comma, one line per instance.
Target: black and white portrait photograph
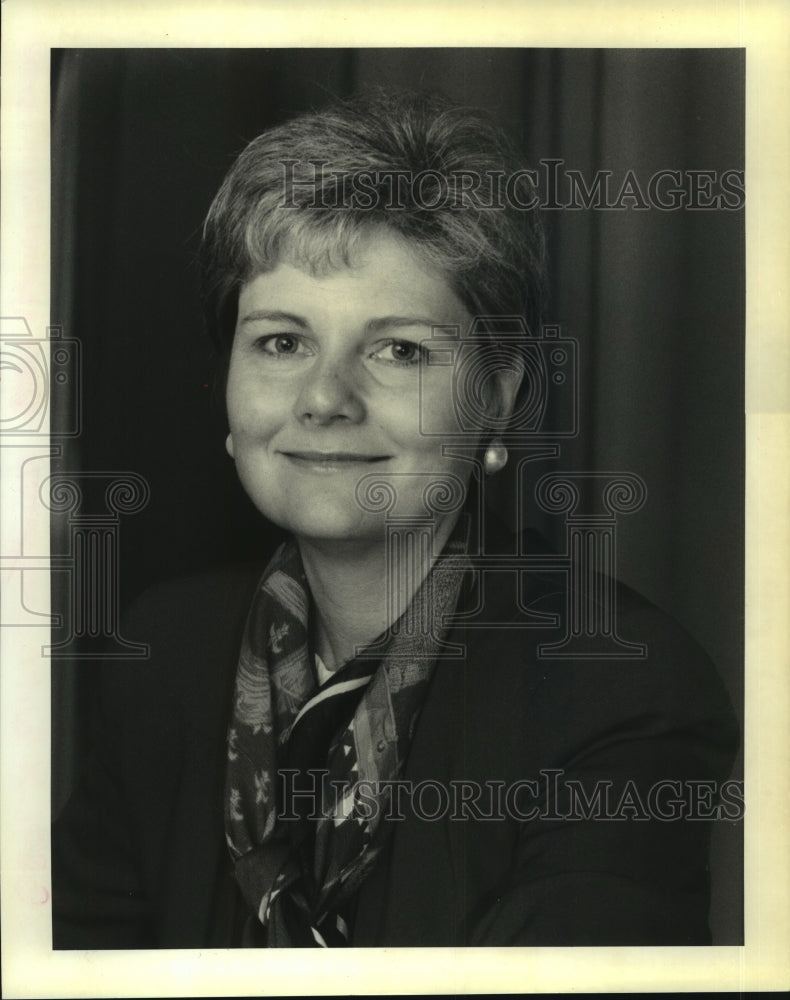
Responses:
[379,522]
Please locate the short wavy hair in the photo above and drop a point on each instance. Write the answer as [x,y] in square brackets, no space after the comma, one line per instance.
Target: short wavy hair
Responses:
[307,189]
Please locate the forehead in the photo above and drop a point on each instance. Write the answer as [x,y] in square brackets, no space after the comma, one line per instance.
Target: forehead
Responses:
[383,275]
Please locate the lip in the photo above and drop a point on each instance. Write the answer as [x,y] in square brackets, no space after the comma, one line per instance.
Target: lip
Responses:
[333,458]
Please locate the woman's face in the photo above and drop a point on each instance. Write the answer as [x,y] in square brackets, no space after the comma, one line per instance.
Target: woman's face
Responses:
[324,388]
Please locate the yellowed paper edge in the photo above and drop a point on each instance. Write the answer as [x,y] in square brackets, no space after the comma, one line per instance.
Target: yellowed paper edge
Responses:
[31,28]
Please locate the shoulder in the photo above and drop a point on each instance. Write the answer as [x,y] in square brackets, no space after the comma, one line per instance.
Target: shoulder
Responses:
[642,675]
[191,628]
[196,603]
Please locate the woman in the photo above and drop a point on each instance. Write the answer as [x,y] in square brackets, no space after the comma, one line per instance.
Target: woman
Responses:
[336,752]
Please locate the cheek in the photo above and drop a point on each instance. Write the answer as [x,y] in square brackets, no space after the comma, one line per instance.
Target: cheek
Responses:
[436,416]
[254,410]
[422,429]
[436,412]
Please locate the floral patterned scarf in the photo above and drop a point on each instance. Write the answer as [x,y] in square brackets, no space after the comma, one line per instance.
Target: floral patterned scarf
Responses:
[308,766]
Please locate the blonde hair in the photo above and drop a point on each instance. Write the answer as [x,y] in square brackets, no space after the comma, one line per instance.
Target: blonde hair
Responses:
[307,189]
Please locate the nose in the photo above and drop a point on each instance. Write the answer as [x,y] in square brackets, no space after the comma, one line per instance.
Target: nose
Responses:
[329,394]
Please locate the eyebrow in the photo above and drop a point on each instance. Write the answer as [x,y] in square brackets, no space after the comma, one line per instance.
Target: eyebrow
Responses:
[373,325]
[275,316]
[386,322]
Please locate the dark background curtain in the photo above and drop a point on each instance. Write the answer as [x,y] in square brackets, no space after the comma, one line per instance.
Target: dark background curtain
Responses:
[141,140]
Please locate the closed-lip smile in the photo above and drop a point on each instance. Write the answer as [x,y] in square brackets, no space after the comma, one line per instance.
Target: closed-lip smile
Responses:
[333,456]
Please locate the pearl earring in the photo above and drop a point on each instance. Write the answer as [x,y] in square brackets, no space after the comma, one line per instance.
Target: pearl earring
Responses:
[495,457]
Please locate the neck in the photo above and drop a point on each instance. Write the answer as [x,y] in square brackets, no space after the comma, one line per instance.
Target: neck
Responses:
[356,596]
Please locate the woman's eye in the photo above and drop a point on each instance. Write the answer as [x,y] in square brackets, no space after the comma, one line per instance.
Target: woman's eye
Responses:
[399,352]
[281,344]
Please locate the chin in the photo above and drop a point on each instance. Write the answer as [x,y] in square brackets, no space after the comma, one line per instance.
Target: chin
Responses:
[329,526]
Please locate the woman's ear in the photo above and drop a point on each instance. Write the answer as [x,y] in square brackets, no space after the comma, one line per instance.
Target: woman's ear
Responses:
[505,386]
[229,445]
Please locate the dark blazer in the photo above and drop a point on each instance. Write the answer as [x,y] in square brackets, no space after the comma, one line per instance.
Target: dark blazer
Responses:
[139,857]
